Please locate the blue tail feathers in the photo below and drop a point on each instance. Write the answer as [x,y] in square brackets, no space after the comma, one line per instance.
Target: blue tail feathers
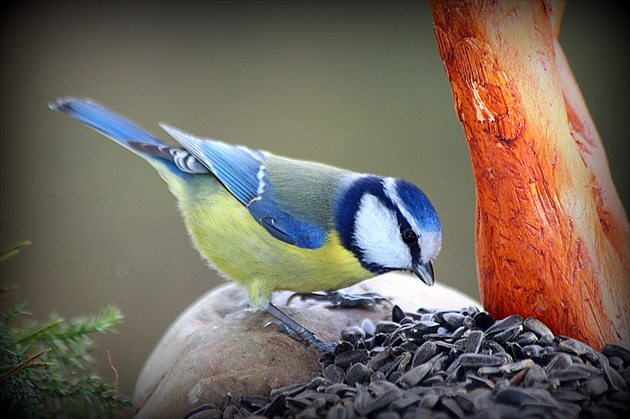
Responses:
[103,120]
[176,159]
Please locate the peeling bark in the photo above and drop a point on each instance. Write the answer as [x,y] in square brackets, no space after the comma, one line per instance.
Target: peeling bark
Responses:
[552,237]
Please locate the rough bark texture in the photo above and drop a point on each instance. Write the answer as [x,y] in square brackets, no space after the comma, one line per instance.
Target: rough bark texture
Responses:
[552,237]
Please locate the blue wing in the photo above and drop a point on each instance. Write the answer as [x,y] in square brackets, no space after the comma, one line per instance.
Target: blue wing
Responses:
[243,172]
[238,168]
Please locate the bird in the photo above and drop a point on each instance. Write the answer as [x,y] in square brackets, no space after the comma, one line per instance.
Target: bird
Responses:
[272,223]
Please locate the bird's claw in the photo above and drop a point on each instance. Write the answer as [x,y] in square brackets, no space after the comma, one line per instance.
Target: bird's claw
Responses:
[297,331]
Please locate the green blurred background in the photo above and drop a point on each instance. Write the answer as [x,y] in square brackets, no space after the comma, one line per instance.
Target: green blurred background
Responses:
[353,84]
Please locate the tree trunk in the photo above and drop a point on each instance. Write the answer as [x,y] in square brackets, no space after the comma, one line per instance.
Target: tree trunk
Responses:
[552,237]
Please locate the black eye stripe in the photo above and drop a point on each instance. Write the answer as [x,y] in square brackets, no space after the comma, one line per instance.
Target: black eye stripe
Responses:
[406,232]
[410,238]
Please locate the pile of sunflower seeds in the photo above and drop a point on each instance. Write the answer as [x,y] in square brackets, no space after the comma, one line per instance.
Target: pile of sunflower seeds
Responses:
[451,364]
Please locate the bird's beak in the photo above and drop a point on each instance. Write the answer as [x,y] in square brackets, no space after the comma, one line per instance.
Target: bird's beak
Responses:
[424,272]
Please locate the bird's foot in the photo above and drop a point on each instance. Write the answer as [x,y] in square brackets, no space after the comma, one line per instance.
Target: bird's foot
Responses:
[297,331]
[336,299]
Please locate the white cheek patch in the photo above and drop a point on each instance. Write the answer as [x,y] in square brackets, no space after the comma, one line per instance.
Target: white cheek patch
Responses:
[377,234]
[430,242]
[430,245]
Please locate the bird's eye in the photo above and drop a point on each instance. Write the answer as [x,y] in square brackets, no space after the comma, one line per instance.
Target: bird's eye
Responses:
[409,236]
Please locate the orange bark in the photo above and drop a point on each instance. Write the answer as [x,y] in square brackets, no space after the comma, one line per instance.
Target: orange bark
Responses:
[552,237]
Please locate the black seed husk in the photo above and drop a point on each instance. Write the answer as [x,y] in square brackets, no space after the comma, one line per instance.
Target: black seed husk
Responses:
[532,324]
[345,359]
[452,364]
[352,334]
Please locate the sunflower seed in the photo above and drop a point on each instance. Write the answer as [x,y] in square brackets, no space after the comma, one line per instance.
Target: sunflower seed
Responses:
[611,350]
[449,346]
[516,366]
[352,334]
[473,341]
[434,380]
[415,375]
[615,379]
[453,320]
[526,338]
[297,405]
[289,390]
[254,402]
[385,399]
[492,347]
[483,320]
[572,410]
[312,411]
[391,366]
[207,410]
[532,351]
[569,395]
[532,324]
[575,347]
[439,362]
[424,352]
[357,373]
[334,373]
[318,382]
[452,407]
[594,386]
[507,335]
[337,412]
[515,396]
[403,403]
[504,324]
[453,370]
[535,376]
[479,382]
[560,361]
[394,376]
[274,408]
[362,401]
[615,362]
[339,389]
[345,359]
[482,398]
[229,412]
[378,376]
[386,327]
[386,414]
[379,359]
[368,327]
[442,364]
[568,374]
[459,332]
[422,327]
[621,397]
[466,402]
[408,347]
[380,387]
[398,314]
[430,400]
[468,360]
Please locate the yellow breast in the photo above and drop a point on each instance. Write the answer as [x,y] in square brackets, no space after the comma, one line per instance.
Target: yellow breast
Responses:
[227,235]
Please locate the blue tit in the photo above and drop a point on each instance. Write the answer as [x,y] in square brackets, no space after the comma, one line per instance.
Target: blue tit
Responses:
[272,223]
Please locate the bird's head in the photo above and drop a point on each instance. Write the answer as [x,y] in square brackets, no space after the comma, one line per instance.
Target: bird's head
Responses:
[389,224]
